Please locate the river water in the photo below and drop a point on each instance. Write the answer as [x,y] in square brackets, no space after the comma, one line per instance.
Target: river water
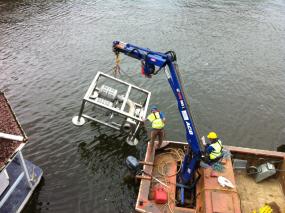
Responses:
[231,55]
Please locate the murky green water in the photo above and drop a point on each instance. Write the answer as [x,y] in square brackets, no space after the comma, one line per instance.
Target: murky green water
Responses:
[231,54]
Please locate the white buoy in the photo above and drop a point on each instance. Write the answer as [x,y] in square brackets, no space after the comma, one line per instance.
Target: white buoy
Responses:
[132,141]
[78,121]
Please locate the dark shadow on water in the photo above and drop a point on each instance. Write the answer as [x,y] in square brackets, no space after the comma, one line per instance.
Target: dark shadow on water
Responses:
[104,155]
[34,205]
[281,148]
[109,144]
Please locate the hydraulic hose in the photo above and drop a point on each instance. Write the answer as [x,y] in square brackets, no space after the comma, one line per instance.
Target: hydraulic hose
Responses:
[186,99]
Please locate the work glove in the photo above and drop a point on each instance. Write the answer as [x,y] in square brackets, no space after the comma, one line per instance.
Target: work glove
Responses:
[203,140]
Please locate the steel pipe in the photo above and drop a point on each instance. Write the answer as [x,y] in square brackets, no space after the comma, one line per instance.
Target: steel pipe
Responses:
[11,137]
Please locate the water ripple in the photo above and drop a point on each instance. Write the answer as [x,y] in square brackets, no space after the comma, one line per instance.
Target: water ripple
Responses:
[231,56]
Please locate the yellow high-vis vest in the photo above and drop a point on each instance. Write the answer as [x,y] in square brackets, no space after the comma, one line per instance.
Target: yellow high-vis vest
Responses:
[156,121]
[218,147]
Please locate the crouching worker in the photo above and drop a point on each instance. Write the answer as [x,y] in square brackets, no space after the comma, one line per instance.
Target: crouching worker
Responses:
[157,120]
[213,150]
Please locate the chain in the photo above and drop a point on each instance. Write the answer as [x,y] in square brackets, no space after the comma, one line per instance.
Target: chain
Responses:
[117,68]
[117,71]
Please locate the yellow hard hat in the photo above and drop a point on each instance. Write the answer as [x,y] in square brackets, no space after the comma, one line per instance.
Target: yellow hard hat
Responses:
[212,135]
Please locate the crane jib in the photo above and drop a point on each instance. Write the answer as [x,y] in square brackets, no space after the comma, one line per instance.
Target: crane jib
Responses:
[151,60]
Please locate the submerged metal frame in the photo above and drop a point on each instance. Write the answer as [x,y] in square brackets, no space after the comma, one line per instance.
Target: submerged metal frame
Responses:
[80,119]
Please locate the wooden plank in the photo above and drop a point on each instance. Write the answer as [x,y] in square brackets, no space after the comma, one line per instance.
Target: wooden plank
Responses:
[242,150]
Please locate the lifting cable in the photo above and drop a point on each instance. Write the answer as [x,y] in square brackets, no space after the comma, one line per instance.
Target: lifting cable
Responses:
[117,67]
[117,71]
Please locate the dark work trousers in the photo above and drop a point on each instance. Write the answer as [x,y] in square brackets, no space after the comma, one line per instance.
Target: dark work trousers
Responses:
[156,133]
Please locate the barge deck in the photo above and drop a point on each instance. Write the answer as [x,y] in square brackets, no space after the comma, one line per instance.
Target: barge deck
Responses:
[209,196]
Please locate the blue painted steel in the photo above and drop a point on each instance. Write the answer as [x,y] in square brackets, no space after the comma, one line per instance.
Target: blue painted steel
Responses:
[152,59]
[182,196]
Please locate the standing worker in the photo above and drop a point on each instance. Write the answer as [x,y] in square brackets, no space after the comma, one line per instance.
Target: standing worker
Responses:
[214,150]
[157,120]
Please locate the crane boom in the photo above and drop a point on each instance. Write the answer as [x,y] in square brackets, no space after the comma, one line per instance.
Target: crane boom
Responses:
[152,63]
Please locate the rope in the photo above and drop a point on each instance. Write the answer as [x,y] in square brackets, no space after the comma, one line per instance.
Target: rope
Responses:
[116,71]
[178,155]
[218,167]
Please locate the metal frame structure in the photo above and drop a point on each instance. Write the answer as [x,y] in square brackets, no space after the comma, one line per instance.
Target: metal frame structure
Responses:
[107,102]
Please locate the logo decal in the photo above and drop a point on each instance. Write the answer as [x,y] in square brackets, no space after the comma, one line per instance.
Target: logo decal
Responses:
[182,103]
[189,128]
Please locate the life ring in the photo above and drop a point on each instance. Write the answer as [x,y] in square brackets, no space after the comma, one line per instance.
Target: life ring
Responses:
[224,182]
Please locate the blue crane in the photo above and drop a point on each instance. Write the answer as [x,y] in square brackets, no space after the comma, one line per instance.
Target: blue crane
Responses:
[152,63]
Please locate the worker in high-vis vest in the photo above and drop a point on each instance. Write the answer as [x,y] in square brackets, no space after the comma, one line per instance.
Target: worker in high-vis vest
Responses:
[157,120]
[214,150]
